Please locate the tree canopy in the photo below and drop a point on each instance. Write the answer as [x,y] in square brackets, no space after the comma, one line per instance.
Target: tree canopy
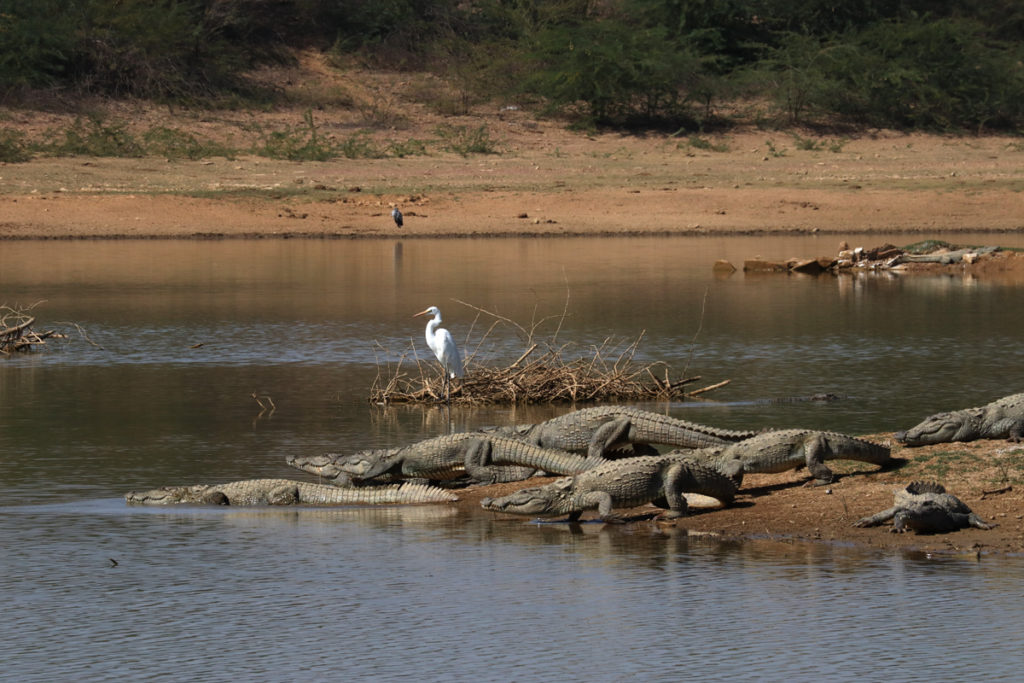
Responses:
[928,64]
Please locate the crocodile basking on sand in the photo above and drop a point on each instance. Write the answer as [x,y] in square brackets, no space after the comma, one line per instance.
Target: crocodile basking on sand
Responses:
[624,483]
[443,458]
[926,508]
[788,449]
[1001,419]
[598,430]
[287,492]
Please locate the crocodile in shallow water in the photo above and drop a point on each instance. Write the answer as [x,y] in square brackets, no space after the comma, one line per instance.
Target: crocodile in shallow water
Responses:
[600,429]
[926,508]
[1001,419]
[628,482]
[287,492]
[442,458]
[787,449]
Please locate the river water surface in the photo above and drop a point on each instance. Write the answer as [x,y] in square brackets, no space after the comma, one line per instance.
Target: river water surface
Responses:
[155,386]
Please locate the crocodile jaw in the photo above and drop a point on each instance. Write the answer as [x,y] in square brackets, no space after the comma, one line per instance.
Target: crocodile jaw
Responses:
[532,501]
[940,428]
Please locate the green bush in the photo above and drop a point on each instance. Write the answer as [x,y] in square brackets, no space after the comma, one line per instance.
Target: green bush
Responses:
[297,143]
[465,140]
[12,146]
[94,137]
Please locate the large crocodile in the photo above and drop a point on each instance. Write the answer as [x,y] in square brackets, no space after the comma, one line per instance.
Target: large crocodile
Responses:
[628,482]
[287,492]
[442,458]
[926,508]
[597,430]
[787,449]
[1000,419]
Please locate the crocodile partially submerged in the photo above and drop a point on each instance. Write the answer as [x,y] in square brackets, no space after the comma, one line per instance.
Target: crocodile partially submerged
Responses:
[598,430]
[288,492]
[926,508]
[788,449]
[1000,419]
[442,459]
[624,483]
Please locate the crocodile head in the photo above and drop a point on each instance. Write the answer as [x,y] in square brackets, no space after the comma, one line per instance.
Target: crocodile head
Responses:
[940,428]
[167,495]
[368,464]
[324,466]
[549,500]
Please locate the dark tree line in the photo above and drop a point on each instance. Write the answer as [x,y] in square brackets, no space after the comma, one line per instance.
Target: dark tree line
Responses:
[928,64]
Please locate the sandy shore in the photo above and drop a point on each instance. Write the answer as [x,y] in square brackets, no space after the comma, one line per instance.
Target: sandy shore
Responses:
[549,182]
[782,506]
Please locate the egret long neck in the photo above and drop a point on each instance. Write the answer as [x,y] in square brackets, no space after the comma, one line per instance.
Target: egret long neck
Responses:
[432,327]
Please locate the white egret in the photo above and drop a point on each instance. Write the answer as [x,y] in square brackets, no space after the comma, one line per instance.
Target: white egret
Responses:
[397,215]
[443,345]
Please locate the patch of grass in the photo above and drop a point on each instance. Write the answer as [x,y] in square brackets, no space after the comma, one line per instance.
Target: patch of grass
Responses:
[360,146]
[465,140]
[941,462]
[297,143]
[178,144]
[773,150]
[382,113]
[13,148]
[698,142]
[409,148]
[94,137]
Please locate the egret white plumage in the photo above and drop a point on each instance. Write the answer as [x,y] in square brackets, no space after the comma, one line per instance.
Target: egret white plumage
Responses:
[397,215]
[443,345]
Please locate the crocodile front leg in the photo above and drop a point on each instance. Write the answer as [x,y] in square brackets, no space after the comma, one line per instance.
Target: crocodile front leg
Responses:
[815,449]
[880,518]
[673,489]
[603,501]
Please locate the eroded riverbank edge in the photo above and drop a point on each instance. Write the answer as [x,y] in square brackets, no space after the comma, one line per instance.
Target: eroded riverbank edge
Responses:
[781,507]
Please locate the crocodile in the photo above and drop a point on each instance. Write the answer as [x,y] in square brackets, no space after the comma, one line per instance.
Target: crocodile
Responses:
[926,508]
[288,492]
[627,482]
[1000,419]
[600,429]
[787,449]
[945,257]
[442,458]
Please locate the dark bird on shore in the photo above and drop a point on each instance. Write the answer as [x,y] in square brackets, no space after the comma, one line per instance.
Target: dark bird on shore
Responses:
[397,215]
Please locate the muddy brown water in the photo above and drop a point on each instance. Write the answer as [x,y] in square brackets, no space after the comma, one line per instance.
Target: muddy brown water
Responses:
[180,335]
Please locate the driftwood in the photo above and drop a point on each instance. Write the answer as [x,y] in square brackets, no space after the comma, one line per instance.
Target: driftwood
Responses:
[16,333]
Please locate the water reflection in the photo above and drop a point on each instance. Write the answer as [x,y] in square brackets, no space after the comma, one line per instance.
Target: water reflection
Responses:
[188,333]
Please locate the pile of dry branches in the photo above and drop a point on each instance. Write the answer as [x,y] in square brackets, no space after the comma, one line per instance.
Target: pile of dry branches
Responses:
[16,333]
[544,373]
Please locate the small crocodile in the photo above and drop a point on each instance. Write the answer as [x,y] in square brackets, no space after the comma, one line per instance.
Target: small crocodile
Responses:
[442,458]
[628,482]
[787,449]
[926,508]
[288,492]
[1000,419]
[600,429]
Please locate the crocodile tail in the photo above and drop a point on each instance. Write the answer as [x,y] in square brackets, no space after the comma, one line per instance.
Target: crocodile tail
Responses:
[422,493]
[918,487]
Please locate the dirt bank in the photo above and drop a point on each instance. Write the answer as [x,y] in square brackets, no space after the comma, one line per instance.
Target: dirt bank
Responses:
[780,506]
